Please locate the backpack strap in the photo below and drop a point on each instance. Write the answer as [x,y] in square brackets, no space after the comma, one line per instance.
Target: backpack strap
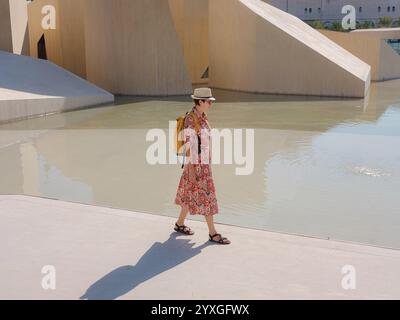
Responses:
[197,127]
[197,124]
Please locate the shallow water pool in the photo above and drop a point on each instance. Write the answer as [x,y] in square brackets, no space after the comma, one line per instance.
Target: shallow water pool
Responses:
[327,168]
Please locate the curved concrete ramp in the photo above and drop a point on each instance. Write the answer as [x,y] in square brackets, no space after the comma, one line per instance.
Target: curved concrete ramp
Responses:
[256,47]
[31,87]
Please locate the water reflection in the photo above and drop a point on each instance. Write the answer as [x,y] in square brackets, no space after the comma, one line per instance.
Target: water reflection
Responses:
[327,168]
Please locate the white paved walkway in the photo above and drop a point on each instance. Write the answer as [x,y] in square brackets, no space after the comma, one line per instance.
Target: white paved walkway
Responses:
[106,253]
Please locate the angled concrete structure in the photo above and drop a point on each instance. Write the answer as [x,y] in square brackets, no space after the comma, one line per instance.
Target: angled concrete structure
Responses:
[14,35]
[31,87]
[191,23]
[132,47]
[159,47]
[5,26]
[255,47]
[126,47]
[370,45]
[19,26]
[64,45]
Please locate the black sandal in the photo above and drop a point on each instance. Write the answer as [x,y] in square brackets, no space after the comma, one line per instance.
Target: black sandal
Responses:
[183,229]
[221,239]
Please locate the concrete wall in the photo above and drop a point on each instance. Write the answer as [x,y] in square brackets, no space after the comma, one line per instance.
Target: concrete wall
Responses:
[159,47]
[72,14]
[101,41]
[52,36]
[5,26]
[381,33]
[271,51]
[191,23]
[132,47]
[370,46]
[66,44]
[364,47]
[19,26]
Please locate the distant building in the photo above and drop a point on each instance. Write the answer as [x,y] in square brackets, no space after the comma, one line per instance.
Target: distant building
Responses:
[331,10]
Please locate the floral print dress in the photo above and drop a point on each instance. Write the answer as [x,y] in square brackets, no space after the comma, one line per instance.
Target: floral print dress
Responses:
[196,188]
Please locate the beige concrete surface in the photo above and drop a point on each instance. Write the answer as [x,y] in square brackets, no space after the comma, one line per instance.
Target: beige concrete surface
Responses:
[31,87]
[132,47]
[191,23]
[65,45]
[19,26]
[255,47]
[103,253]
[14,36]
[381,33]
[370,46]
[100,41]
[5,26]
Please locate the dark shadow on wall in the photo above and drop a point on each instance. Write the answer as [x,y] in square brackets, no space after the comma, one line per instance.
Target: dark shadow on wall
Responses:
[159,258]
[41,48]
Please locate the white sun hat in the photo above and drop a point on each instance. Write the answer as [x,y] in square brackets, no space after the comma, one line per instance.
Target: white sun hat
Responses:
[203,94]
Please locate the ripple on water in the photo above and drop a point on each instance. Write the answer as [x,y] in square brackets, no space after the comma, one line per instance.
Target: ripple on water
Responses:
[367,171]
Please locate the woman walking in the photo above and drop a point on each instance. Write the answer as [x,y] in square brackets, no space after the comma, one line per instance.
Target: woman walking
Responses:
[196,190]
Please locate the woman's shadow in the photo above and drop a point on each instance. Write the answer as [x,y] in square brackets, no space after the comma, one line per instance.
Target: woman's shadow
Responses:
[159,258]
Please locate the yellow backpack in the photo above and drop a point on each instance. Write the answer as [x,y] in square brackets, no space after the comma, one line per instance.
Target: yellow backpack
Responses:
[179,138]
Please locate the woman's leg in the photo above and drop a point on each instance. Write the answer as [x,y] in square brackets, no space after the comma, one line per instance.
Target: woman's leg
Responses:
[211,228]
[182,216]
